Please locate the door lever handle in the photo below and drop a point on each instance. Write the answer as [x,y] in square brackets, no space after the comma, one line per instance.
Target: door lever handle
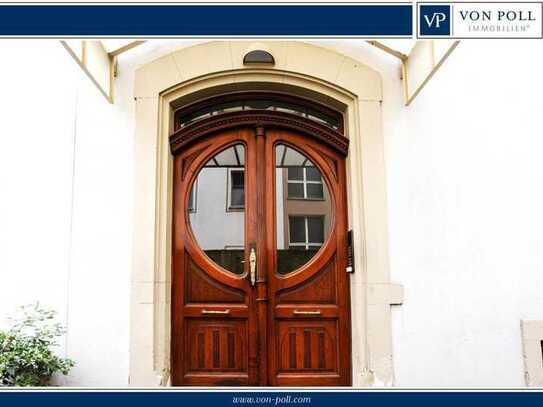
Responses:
[252,266]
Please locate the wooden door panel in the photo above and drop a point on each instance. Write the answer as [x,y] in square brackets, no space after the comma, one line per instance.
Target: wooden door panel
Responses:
[217,346]
[202,288]
[309,315]
[317,289]
[307,346]
[213,330]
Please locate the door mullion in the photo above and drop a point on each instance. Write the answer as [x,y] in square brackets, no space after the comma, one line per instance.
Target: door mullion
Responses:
[251,237]
[262,163]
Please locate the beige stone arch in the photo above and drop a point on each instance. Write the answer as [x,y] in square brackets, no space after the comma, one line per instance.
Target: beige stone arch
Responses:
[305,70]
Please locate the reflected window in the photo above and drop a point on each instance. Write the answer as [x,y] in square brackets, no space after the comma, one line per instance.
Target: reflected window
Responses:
[236,192]
[304,183]
[219,232]
[306,232]
[303,209]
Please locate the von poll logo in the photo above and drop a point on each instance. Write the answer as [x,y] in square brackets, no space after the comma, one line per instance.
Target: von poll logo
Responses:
[480,20]
[435,20]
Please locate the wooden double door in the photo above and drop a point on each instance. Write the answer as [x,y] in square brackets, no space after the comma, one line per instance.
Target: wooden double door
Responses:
[260,296]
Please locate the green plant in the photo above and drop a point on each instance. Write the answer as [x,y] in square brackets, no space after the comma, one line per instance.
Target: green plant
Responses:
[26,354]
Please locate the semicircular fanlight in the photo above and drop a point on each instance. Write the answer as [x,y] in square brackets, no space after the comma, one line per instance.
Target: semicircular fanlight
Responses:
[256,103]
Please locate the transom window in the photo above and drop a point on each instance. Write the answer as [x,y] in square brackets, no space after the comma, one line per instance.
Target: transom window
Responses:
[306,232]
[255,101]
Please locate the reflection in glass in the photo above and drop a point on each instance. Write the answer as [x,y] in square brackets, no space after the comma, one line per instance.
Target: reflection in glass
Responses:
[217,216]
[303,209]
[237,189]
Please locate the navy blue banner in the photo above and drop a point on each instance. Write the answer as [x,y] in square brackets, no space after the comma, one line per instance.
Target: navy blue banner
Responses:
[270,398]
[94,20]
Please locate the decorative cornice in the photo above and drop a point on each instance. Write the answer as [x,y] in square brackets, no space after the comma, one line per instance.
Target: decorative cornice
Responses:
[261,118]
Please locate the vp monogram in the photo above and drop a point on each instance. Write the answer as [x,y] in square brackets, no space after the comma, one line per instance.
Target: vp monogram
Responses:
[435,20]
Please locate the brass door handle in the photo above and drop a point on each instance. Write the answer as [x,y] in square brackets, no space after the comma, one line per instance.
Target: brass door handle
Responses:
[296,312]
[208,311]
[252,266]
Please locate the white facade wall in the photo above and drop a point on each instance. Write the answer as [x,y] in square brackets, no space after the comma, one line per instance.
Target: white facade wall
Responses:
[65,208]
[37,110]
[99,288]
[464,176]
[464,190]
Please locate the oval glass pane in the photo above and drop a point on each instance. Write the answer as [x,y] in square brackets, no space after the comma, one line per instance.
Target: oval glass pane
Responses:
[303,209]
[217,208]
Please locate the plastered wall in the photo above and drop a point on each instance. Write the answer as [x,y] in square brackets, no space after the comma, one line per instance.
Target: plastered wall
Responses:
[36,161]
[65,206]
[463,170]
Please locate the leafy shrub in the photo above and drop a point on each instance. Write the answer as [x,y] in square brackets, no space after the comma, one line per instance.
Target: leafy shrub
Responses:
[26,355]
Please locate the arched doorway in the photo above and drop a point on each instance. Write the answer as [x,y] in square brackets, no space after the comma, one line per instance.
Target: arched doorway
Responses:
[187,75]
[259,290]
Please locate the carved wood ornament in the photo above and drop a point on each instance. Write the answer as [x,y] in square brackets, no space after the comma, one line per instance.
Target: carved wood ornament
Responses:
[257,118]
